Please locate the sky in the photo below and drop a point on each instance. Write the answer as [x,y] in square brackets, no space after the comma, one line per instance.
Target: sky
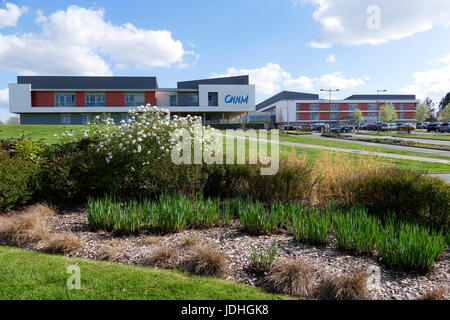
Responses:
[357,46]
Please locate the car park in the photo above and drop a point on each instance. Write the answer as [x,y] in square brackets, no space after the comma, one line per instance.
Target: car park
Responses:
[434,127]
[444,127]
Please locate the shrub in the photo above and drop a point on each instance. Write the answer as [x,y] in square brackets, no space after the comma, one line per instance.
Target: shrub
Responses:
[355,230]
[294,181]
[17,182]
[61,242]
[206,261]
[161,257]
[312,226]
[291,277]
[261,260]
[343,287]
[409,246]
[411,195]
[113,251]
[439,293]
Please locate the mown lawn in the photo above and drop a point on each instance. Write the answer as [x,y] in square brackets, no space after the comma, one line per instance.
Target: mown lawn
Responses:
[436,136]
[43,132]
[32,275]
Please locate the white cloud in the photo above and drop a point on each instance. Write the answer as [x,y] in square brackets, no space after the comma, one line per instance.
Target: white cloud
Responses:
[10,15]
[79,41]
[356,22]
[434,82]
[271,78]
[331,58]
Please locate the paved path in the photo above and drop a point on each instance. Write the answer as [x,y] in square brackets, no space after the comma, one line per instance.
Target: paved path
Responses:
[445,176]
[390,146]
[380,154]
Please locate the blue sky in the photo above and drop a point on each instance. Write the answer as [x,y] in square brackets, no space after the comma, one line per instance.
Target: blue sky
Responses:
[299,45]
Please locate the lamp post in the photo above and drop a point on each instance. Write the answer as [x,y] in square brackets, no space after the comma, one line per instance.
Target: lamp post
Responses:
[329,106]
[378,112]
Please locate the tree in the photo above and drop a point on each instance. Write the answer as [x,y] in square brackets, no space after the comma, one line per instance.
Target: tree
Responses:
[388,113]
[422,112]
[445,101]
[357,117]
[445,114]
[13,120]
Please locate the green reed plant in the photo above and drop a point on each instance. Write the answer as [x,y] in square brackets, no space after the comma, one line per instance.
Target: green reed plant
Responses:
[408,246]
[355,229]
[311,226]
[262,259]
[255,219]
[172,213]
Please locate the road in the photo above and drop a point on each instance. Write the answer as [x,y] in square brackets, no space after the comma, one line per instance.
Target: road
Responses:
[418,139]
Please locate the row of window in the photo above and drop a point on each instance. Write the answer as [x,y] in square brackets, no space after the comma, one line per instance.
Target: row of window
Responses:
[94,99]
[334,116]
[66,118]
[351,107]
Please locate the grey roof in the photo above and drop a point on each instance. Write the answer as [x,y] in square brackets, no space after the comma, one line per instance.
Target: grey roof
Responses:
[65,82]
[193,84]
[287,95]
[382,97]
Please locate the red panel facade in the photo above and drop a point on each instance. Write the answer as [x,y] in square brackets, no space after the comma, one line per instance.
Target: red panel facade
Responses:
[409,115]
[343,107]
[42,99]
[150,97]
[363,106]
[115,98]
[80,99]
[324,107]
[344,115]
[324,116]
[304,116]
[304,107]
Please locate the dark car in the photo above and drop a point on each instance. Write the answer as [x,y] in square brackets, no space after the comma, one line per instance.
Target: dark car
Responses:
[434,127]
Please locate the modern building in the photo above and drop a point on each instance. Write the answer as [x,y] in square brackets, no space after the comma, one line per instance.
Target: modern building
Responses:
[301,108]
[76,100]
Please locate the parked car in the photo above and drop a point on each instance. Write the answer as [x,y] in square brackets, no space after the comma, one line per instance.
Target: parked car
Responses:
[392,127]
[444,127]
[422,125]
[371,126]
[434,127]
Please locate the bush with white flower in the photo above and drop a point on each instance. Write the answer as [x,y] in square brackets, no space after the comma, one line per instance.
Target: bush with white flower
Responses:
[145,139]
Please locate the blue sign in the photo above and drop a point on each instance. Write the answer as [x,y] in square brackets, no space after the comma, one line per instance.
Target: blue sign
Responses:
[236,99]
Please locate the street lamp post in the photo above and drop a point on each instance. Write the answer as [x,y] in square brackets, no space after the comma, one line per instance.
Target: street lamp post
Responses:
[329,106]
[378,112]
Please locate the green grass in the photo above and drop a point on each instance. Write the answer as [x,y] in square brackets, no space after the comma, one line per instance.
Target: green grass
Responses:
[435,136]
[310,226]
[43,132]
[32,275]
[354,146]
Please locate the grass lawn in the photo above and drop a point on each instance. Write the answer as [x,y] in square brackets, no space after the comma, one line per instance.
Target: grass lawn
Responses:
[28,274]
[436,136]
[326,142]
[44,132]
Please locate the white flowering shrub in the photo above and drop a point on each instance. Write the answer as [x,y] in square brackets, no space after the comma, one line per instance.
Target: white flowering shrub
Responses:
[146,139]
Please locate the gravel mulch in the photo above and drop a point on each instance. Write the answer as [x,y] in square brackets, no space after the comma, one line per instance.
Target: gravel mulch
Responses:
[236,245]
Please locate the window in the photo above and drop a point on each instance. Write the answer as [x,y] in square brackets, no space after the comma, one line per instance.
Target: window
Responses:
[402,106]
[85,118]
[95,99]
[334,116]
[372,107]
[402,115]
[314,107]
[314,116]
[65,118]
[193,100]
[173,101]
[298,108]
[334,107]
[352,107]
[134,99]
[213,100]
[298,117]
[64,100]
